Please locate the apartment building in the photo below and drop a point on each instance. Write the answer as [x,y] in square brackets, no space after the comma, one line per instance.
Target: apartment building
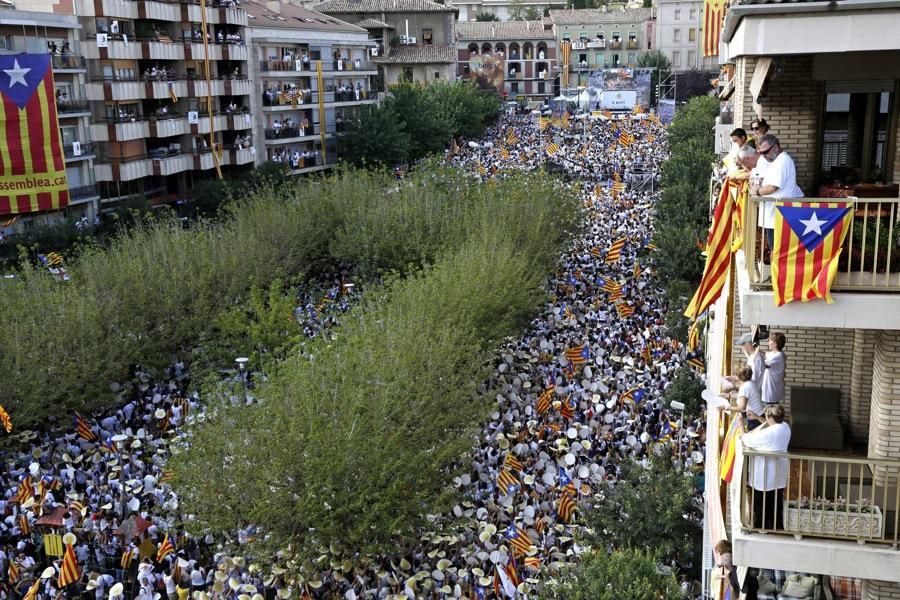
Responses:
[527,49]
[798,65]
[416,39]
[679,34]
[603,38]
[34,32]
[310,73]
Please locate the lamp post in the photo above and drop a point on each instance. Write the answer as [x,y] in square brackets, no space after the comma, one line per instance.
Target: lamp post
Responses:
[242,369]
[679,406]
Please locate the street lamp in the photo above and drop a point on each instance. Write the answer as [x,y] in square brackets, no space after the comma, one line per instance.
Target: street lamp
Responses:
[242,368]
[676,405]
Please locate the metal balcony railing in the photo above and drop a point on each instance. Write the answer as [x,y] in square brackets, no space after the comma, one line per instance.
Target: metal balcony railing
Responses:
[837,498]
[870,256]
[283,99]
[286,133]
[632,44]
[67,61]
[615,45]
[72,106]
[86,149]
[83,191]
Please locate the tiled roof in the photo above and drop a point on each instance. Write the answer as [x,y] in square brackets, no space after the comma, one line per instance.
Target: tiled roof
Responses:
[376,6]
[418,54]
[291,16]
[596,15]
[503,30]
[373,24]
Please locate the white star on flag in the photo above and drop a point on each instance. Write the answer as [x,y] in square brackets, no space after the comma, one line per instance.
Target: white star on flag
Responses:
[813,224]
[16,75]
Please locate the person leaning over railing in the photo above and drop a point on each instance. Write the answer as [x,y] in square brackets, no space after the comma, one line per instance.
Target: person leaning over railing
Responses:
[749,401]
[767,476]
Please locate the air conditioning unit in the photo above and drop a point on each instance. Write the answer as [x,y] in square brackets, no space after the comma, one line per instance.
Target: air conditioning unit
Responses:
[407,40]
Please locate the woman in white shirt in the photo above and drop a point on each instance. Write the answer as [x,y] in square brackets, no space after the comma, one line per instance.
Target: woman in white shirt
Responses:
[749,401]
[768,475]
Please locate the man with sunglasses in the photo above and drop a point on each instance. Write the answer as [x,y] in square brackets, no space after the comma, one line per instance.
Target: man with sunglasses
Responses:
[779,180]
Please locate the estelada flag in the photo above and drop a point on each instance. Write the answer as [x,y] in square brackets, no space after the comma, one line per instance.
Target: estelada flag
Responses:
[713,15]
[32,165]
[69,572]
[718,257]
[808,240]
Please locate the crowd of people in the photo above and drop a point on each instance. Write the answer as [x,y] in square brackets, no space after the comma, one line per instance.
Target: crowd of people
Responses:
[581,391]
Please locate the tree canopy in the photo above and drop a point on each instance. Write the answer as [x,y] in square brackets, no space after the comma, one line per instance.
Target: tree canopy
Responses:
[620,575]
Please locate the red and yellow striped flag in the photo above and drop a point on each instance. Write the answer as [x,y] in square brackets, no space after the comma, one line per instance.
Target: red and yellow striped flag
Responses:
[518,539]
[615,251]
[808,240]
[69,572]
[578,355]
[127,557]
[83,428]
[165,549]
[13,572]
[552,149]
[506,480]
[511,137]
[504,153]
[726,467]
[33,590]
[512,462]
[713,15]
[533,563]
[566,508]
[693,337]
[24,525]
[543,403]
[718,257]
[624,310]
[5,420]
[32,168]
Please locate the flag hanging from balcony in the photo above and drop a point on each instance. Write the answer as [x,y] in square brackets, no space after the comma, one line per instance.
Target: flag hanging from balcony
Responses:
[726,461]
[713,15]
[32,166]
[718,257]
[808,240]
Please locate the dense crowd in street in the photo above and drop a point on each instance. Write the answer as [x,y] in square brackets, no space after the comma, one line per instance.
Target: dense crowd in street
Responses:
[580,392]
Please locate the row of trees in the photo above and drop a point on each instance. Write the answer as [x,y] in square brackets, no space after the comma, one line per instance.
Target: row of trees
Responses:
[371,424]
[416,120]
[682,212]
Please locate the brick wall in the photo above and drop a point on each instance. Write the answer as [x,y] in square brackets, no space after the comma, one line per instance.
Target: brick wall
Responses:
[884,420]
[792,107]
[880,590]
[861,383]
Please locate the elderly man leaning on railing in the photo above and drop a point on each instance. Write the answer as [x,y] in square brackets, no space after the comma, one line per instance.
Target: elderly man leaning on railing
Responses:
[768,476]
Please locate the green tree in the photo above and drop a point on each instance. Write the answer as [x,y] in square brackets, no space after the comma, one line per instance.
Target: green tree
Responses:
[650,508]
[517,10]
[686,388]
[487,16]
[377,136]
[621,575]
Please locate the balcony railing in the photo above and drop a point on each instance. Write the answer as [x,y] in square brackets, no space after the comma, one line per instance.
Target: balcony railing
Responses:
[85,149]
[632,44]
[825,497]
[287,133]
[83,191]
[72,106]
[281,99]
[67,61]
[870,256]
[615,45]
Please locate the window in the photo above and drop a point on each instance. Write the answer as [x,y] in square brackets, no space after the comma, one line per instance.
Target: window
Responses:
[676,58]
[6,42]
[676,35]
[541,87]
[855,136]
[677,14]
[692,59]
[427,36]
[631,59]
[407,75]
[514,87]
[69,135]
[692,35]
[615,60]
[437,75]
[693,15]
[598,58]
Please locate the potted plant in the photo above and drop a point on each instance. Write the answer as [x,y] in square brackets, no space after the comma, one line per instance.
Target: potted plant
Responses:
[839,518]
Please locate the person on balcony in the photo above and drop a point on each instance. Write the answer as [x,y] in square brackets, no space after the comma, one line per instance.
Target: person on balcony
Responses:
[768,476]
[773,378]
[749,403]
[779,180]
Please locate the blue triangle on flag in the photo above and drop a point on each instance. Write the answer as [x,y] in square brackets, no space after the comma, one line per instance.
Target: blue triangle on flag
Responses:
[812,224]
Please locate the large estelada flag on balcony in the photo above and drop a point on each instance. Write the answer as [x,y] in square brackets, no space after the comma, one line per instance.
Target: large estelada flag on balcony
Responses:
[808,240]
[713,15]
[32,166]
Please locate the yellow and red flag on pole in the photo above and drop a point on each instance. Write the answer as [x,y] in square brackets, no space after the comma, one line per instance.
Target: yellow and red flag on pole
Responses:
[33,590]
[713,15]
[83,428]
[69,572]
[726,464]
[615,250]
[808,240]
[165,549]
[32,166]
[718,257]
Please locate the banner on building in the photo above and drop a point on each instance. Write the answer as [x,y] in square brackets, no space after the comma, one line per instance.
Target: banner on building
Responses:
[486,70]
[619,89]
[32,165]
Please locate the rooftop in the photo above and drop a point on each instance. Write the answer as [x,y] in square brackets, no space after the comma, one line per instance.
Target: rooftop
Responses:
[596,15]
[381,6]
[418,54]
[503,30]
[374,24]
[291,16]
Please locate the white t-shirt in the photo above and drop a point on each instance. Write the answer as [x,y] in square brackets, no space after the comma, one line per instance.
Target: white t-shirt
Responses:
[782,174]
[773,379]
[754,400]
[768,473]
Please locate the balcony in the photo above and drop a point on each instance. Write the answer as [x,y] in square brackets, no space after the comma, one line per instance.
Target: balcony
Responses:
[289,135]
[168,161]
[280,68]
[123,9]
[84,151]
[116,49]
[124,168]
[73,108]
[615,45]
[866,290]
[83,193]
[632,44]
[839,514]
[244,156]
[67,63]
[158,50]
[596,44]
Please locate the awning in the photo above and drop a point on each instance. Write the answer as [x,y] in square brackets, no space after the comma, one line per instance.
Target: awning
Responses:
[760,74]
